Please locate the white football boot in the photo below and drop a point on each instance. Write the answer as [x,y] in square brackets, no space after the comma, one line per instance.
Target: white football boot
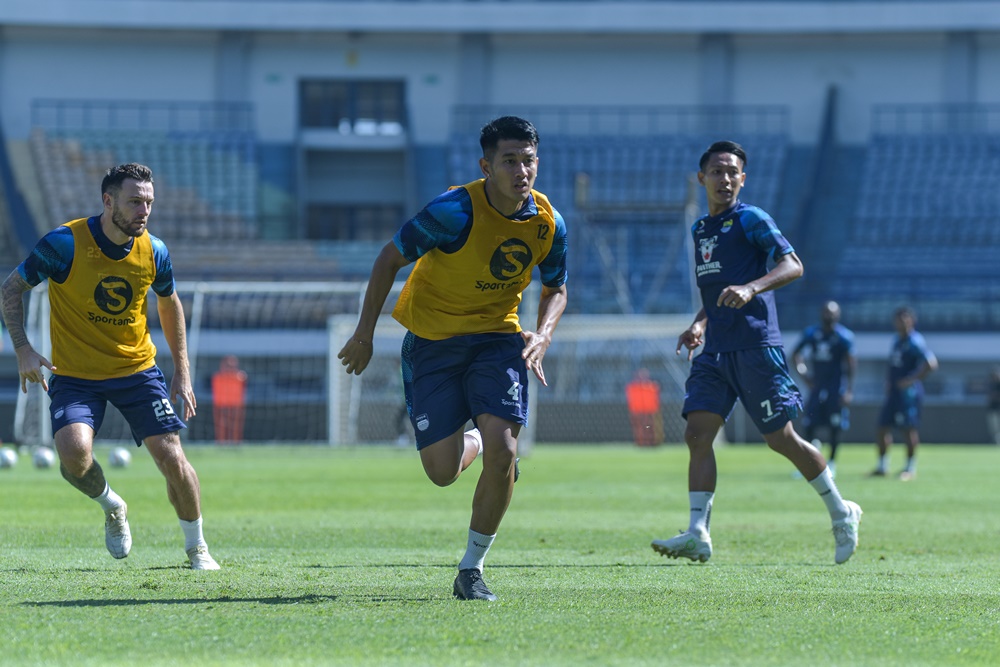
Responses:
[845,532]
[686,545]
[117,535]
[200,558]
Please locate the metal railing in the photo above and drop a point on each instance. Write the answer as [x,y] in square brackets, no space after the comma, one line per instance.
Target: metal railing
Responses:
[635,121]
[130,115]
[917,119]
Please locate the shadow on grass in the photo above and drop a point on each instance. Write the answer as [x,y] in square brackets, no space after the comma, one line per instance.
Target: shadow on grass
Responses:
[520,566]
[277,599]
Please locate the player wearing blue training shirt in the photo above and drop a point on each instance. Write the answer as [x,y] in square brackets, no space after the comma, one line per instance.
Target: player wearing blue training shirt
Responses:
[830,348]
[100,270]
[910,360]
[464,355]
[742,356]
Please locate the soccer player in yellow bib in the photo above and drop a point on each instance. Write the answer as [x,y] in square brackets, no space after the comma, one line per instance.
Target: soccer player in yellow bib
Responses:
[465,355]
[100,270]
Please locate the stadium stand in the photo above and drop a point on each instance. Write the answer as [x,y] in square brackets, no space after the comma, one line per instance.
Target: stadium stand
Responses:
[206,170]
[922,231]
[205,188]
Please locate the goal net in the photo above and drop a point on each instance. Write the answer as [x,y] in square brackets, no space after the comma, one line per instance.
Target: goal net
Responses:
[285,337]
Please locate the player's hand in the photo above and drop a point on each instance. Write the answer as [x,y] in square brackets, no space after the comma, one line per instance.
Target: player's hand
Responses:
[535,346]
[692,338]
[29,367]
[180,387]
[735,296]
[846,399]
[355,355]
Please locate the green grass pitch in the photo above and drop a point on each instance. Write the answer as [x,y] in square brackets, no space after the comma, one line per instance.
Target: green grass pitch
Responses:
[347,556]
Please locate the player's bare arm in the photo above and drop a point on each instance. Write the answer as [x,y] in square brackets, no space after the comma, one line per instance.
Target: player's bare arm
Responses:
[926,368]
[29,362]
[852,368]
[694,336]
[357,352]
[172,320]
[787,269]
[551,305]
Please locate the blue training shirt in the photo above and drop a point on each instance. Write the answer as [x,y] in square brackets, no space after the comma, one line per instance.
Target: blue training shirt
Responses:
[905,357]
[52,257]
[445,224]
[829,351]
[733,248]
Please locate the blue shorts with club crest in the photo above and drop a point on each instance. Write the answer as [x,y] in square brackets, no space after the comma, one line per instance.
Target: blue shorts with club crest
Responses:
[824,409]
[902,408]
[448,382]
[759,378]
[142,398]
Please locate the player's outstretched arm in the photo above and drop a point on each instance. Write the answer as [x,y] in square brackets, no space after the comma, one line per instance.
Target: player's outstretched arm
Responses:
[551,305]
[29,362]
[357,351]
[172,320]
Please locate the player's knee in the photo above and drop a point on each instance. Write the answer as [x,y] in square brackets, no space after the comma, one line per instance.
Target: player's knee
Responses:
[73,469]
[785,442]
[698,439]
[442,473]
[499,459]
[441,477]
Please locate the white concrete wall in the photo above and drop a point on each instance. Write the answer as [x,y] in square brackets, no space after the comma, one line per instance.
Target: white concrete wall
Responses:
[547,69]
[100,64]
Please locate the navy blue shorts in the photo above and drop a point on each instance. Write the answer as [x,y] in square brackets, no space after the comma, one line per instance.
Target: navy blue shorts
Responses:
[448,382]
[142,398]
[901,409]
[759,378]
[824,409]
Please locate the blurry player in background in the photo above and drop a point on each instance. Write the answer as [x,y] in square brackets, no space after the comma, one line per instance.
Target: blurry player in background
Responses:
[993,406]
[742,356]
[910,361]
[465,355]
[831,380]
[100,270]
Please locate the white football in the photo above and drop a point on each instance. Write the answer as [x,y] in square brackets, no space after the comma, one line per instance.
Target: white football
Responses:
[8,457]
[119,457]
[43,457]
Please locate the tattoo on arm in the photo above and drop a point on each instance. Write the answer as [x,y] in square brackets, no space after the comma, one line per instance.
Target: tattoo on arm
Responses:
[12,304]
[92,483]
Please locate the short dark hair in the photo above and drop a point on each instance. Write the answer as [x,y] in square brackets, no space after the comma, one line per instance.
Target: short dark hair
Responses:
[723,147]
[115,176]
[506,127]
[906,311]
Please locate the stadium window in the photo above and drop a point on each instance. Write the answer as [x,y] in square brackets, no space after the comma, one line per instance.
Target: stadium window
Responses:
[353,107]
[358,222]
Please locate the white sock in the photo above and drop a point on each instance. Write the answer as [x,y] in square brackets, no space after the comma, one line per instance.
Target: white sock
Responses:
[192,533]
[701,511]
[827,490]
[475,552]
[911,464]
[478,437]
[109,500]
[883,462]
